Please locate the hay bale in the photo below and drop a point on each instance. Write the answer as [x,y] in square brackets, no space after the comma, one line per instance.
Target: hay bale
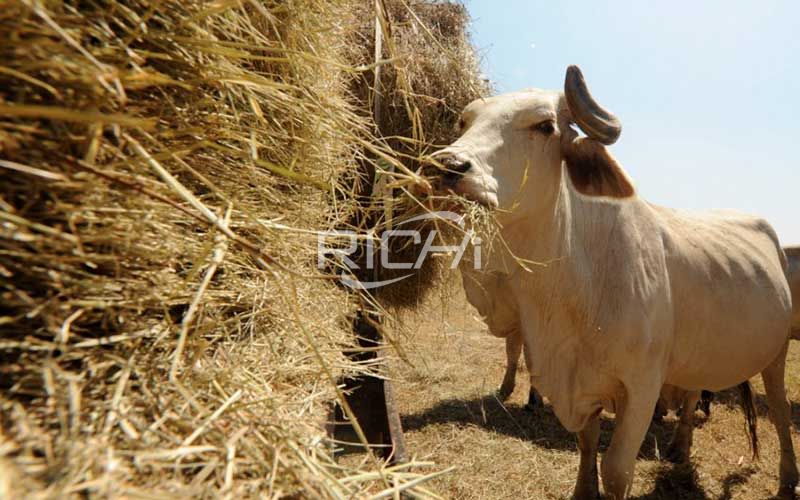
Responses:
[163,170]
[147,150]
[434,75]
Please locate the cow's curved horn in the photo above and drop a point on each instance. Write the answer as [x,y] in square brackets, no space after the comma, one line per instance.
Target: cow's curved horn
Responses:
[595,121]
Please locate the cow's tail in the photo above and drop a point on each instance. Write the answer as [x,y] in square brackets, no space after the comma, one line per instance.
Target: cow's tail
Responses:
[750,415]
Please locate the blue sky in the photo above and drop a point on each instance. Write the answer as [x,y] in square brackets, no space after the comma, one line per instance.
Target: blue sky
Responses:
[708,92]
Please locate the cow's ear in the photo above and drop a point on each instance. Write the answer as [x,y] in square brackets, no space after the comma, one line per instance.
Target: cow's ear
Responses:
[593,171]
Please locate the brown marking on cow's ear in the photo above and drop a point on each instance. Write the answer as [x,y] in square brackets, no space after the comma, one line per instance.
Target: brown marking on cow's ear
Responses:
[594,172]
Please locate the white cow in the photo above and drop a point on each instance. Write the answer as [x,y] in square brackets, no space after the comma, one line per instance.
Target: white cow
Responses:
[633,296]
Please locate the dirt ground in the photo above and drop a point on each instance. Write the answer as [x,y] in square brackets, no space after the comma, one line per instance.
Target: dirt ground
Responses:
[451,417]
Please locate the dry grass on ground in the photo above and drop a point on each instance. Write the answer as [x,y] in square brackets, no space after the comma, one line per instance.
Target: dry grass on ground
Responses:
[501,451]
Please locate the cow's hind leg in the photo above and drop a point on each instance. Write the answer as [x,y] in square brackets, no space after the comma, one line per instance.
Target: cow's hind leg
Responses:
[513,350]
[587,488]
[704,405]
[773,377]
[533,398]
[679,448]
[633,420]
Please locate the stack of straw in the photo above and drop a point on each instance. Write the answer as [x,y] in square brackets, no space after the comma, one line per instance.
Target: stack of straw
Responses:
[416,103]
[164,170]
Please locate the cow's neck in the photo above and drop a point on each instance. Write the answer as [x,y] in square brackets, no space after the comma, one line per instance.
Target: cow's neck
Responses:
[539,227]
[569,235]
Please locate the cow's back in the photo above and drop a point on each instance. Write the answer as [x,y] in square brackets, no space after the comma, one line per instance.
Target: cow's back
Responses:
[730,297]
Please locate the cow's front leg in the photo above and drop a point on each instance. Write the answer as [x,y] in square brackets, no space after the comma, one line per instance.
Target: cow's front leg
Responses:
[513,350]
[632,420]
[680,447]
[586,488]
[533,396]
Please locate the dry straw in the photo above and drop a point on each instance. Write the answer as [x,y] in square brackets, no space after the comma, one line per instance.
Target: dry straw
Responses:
[164,169]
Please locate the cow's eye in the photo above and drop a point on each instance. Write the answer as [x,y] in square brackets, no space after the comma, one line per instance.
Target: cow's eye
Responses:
[546,127]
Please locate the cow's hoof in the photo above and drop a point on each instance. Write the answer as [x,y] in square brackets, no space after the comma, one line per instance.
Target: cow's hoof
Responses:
[504,392]
[788,492]
[676,455]
[587,492]
[533,402]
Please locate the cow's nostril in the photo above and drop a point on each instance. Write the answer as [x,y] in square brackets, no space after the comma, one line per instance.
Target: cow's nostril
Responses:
[455,170]
[453,175]
[462,168]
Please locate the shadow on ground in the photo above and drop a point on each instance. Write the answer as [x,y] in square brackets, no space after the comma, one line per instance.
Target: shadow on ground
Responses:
[542,428]
[681,481]
[539,426]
